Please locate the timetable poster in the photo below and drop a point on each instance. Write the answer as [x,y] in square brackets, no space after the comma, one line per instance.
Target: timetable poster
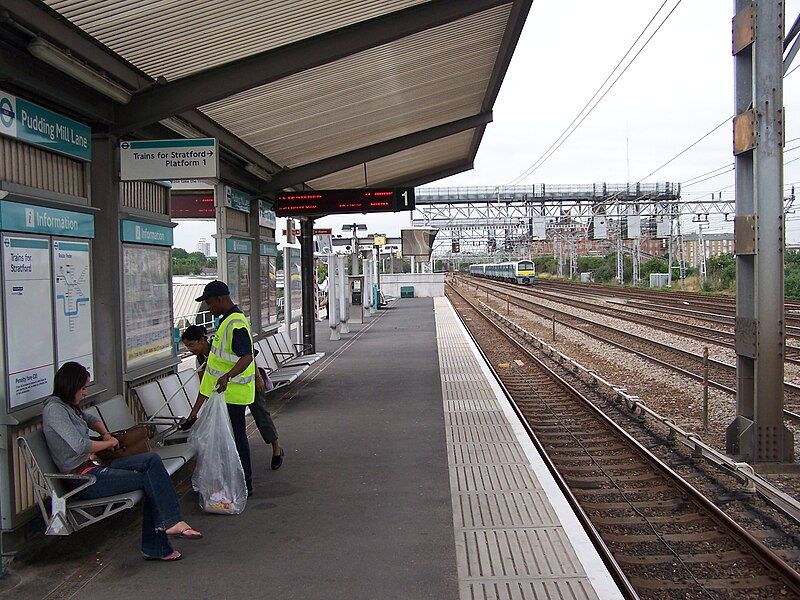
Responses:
[148,314]
[29,319]
[73,303]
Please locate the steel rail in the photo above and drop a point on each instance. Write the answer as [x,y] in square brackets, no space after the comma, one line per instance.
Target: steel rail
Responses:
[741,470]
[727,368]
[650,300]
[768,558]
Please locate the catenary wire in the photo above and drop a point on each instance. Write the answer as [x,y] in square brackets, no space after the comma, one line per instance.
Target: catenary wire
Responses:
[544,156]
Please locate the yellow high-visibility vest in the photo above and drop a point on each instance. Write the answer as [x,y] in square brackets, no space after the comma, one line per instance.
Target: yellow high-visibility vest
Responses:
[242,388]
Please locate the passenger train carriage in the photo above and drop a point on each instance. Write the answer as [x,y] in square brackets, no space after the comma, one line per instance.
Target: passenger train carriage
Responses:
[521,271]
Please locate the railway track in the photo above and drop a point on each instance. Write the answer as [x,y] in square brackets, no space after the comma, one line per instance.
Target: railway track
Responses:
[707,335]
[721,375]
[720,309]
[670,541]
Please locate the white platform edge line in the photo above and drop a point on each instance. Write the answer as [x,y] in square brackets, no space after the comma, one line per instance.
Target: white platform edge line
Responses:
[596,571]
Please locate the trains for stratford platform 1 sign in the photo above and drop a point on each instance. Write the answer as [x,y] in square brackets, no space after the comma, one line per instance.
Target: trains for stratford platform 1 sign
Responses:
[338,202]
[159,160]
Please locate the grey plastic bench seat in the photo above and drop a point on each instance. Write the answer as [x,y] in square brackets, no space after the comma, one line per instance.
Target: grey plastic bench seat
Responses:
[65,513]
[286,358]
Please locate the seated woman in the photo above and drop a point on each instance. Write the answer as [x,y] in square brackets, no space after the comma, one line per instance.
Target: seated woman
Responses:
[67,429]
[196,341]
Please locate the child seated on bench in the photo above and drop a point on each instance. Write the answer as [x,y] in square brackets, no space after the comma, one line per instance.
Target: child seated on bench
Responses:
[67,429]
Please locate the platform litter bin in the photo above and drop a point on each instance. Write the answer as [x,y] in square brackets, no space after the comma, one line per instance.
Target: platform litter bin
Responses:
[407,291]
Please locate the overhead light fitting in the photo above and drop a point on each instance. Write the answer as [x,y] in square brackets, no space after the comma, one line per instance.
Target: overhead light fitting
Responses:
[181,128]
[46,52]
[258,171]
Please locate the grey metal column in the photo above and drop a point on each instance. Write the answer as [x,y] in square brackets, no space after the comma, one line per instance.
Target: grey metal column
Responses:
[758,434]
[256,291]
[307,265]
[107,265]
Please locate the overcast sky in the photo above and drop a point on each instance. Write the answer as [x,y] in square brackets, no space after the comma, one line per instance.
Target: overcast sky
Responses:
[678,88]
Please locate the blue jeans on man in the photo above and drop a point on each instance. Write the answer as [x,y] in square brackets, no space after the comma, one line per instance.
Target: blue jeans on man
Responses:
[144,472]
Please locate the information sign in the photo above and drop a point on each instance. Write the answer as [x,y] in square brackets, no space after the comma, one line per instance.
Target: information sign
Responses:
[237,199]
[30,218]
[38,126]
[145,233]
[73,303]
[268,248]
[238,246]
[29,319]
[192,205]
[330,202]
[266,216]
[148,312]
[156,160]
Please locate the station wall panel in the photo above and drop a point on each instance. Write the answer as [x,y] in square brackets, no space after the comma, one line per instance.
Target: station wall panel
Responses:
[24,499]
[237,220]
[37,168]
[145,195]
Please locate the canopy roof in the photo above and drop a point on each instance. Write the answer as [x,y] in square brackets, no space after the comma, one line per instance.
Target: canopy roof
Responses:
[329,94]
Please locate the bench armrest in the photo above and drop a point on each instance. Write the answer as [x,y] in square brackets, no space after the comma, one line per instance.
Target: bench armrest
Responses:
[283,353]
[88,478]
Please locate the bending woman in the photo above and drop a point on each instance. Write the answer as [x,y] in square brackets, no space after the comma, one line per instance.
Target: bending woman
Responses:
[67,429]
[196,341]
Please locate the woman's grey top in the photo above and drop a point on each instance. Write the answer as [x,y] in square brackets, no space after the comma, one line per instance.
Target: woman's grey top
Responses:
[67,429]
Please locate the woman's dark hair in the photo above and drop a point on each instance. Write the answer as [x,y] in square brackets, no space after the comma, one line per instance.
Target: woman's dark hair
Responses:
[194,333]
[69,379]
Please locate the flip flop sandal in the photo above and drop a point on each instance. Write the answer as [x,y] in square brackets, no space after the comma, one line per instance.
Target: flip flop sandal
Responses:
[172,557]
[187,536]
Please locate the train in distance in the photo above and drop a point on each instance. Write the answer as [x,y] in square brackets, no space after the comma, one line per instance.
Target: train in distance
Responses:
[521,271]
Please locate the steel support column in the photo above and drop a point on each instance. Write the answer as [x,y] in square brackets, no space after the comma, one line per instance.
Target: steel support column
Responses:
[107,265]
[758,434]
[307,267]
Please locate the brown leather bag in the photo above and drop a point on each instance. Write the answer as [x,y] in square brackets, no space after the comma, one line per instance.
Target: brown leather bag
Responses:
[132,441]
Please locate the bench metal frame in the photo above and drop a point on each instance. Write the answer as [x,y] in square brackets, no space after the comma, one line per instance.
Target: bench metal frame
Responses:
[66,517]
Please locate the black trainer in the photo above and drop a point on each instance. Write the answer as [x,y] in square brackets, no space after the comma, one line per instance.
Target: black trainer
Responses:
[277,461]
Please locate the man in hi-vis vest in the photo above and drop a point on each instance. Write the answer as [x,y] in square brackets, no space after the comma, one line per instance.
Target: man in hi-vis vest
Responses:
[230,368]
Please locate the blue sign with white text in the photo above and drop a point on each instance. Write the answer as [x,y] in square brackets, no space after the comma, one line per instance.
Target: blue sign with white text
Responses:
[16,216]
[146,233]
[237,246]
[36,125]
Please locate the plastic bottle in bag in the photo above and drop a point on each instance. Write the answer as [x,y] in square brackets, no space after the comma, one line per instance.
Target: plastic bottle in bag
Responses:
[218,476]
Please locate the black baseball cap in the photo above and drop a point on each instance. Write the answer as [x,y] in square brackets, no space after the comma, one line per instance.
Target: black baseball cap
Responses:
[214,288]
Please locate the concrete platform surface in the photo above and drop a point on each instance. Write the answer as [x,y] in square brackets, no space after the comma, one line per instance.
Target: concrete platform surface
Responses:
[361,508]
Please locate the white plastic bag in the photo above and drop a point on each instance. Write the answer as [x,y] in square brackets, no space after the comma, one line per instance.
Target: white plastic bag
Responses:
[218,476]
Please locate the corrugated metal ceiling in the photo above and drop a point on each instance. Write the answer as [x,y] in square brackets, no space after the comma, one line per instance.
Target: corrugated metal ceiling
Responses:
[418,82]
[426,157]
[409,85]
[175,38]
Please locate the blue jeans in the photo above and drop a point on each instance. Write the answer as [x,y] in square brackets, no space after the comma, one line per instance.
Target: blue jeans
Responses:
[144,472]
[239,426]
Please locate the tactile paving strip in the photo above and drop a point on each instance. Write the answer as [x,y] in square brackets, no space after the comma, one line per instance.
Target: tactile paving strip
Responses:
[510,543]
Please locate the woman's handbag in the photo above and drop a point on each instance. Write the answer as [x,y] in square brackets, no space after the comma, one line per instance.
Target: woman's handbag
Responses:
[132,441]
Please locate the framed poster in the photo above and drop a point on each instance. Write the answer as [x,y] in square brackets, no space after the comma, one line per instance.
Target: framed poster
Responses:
[147,305]
[27,299]
[239,281]
[73,303]
[266,290]
[291,259]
